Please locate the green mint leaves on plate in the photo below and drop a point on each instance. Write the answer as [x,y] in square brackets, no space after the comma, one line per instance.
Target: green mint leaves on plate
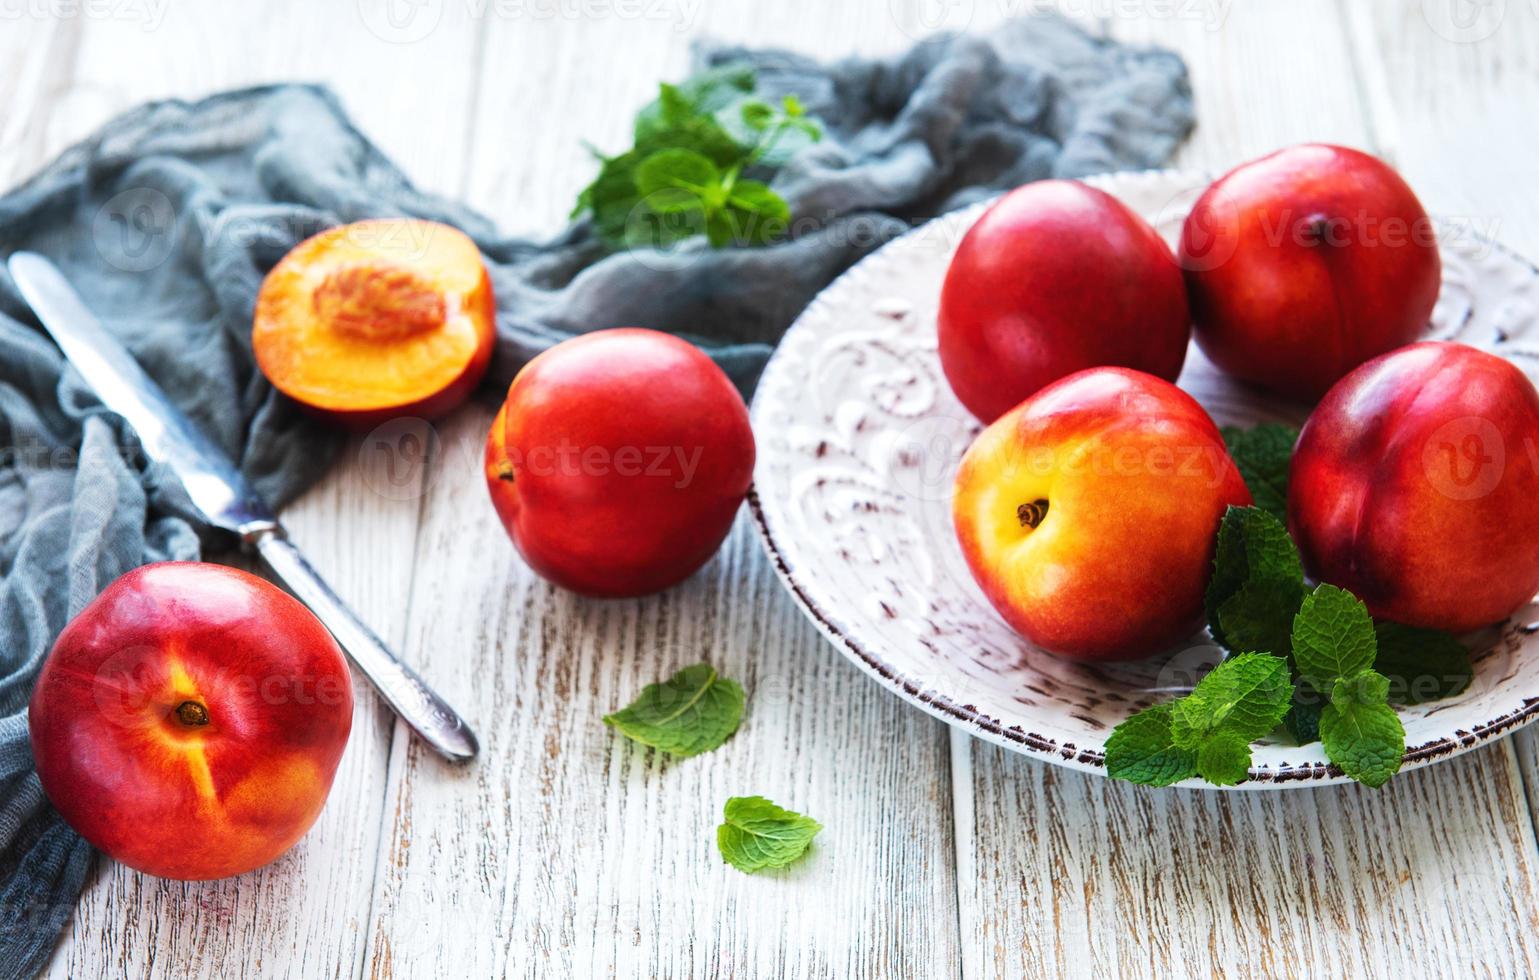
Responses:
[1334,649]
[694,711]
[757,835]
[1262,455]
[1208,732]
[687,172]
[1257,583]
[1422,665]
[1312,660]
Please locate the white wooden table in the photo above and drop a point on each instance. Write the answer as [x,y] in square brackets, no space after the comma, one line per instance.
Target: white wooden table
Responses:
[568,851]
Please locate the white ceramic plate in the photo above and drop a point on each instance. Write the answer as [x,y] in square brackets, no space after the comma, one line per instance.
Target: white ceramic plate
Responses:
[859,436]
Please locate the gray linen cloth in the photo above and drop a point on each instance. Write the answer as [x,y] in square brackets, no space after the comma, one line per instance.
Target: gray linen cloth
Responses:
[167,219]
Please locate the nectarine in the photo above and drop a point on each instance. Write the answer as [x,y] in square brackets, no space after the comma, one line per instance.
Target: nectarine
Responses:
[1304,264]
[1414,486]
[1054,278]
[189,720]
[1089,513]
[618,461]
[377,319]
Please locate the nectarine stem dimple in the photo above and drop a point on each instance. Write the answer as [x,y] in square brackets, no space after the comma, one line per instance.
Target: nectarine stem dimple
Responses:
[378,301]
[1317,229]
[1032,514]
[192,714]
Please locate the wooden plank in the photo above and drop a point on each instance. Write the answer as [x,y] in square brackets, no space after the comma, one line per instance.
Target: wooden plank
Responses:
[306,915]
[1453,87]
[37,57]
[570,850]
[1078,875]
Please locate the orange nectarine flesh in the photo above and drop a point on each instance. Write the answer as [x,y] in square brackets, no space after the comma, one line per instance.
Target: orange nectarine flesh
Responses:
[377,318]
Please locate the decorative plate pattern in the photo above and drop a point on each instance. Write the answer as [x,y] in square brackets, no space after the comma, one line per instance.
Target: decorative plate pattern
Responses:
[859,436]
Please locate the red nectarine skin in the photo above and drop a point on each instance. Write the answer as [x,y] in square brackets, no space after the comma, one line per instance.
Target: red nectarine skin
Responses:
[1414,486]
[189,720]
[1054,278]
[1088,513]
[1304,264]
[619,460]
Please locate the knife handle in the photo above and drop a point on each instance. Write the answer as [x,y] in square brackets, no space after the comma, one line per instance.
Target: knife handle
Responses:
[416,703]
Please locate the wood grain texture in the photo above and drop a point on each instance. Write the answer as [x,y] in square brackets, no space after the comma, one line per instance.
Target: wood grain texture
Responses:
[1076,874]
[576,852]
[307,914]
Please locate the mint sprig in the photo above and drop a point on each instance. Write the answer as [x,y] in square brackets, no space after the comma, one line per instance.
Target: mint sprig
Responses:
[1257,583]
[1262,454]
[1360,731]
[1312,660]
[1334,648]
[695,167]
[756,835]
[1208,732]
[694,711]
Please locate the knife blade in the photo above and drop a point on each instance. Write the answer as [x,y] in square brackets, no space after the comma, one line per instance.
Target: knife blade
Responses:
[225,497]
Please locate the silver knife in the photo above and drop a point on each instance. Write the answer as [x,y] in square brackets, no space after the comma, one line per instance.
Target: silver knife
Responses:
[224,496]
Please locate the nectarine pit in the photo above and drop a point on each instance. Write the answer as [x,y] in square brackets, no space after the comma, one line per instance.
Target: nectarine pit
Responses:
[378,301]
[1032,514]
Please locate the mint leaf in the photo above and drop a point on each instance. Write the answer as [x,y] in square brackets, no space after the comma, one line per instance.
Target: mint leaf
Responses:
[693,711]
[680,178]
[1262,455]
[1303,717]
[1334,647]
[1422,665]
[1141,750]
[670,170]
[760,215]
[757,834]
[757,115]
[1333,637]
[1367,687]
[1260,617]
[1254,556]
[1208,732]
[1360,732]
[1244,697]
[1224,761]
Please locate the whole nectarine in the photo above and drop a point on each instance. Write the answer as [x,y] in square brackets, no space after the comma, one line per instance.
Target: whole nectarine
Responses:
[1089,513]
[1056,277]
[618,461]
[1304,264]
[189,720]
[1414,486]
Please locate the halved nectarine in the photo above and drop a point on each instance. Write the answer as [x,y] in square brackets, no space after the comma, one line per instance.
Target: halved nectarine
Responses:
[377,319]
